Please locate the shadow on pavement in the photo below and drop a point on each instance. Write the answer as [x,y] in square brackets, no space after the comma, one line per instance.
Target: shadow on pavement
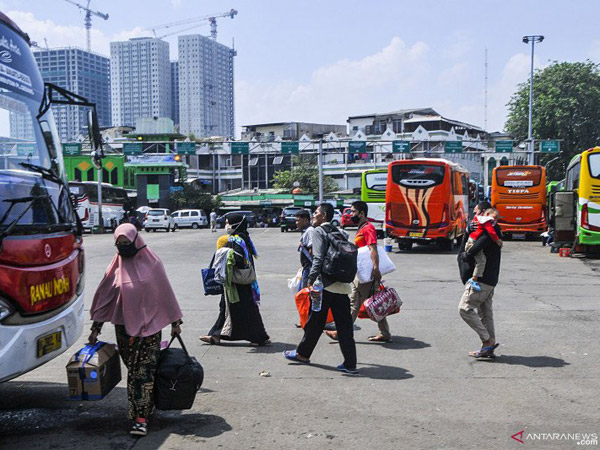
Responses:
[275,347]
[399,343]
[366,370]
[531,361]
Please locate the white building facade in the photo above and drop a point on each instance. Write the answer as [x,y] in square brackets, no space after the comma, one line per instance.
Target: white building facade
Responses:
[205,87]
[140,80]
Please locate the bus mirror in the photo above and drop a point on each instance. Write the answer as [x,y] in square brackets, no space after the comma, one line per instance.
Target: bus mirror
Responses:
[94,132]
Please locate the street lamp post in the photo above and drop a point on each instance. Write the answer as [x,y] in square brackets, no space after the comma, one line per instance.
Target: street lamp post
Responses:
[526,40]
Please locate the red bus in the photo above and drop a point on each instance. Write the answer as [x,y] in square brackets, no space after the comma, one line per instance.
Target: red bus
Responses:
[519,195]
[427,200]
[41,251]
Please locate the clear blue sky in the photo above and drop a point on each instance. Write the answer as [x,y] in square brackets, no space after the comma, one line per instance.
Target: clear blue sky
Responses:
[322,61]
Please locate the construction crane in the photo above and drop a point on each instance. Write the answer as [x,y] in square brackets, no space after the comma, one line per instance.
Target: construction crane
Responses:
[88,20]
[197,21]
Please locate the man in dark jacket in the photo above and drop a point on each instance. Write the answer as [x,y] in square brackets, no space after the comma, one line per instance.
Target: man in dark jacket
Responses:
[475,307]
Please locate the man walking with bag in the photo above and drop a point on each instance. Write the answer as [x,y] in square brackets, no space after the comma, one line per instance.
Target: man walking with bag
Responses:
[366,236]
[330,265]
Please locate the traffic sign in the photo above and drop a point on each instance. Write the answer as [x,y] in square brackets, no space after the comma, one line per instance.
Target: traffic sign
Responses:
[186,148]
[72,149]
[401,147]
[132,148]
[240,148]
[357,147]
[453,147]
[26,149]
[504,146]
[549,146]
[290,147]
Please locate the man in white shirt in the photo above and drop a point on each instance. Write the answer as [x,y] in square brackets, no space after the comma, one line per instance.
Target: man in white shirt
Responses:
[213,221]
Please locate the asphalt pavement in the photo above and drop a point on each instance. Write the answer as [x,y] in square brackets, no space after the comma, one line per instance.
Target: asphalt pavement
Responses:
[421,391]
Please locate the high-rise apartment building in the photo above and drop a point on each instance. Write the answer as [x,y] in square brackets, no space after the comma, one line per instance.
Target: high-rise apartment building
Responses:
[205,87]
[175,92]
[140,80]
[82,72]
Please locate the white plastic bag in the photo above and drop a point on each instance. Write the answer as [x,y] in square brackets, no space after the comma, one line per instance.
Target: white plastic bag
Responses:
[365,264]
[293,283]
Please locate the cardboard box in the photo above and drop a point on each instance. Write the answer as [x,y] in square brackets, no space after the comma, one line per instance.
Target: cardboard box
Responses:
[93,371]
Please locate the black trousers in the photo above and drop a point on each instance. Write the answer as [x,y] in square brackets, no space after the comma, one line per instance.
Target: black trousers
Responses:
[313,330]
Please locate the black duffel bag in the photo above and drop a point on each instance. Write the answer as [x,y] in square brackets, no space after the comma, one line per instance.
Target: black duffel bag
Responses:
[178,378]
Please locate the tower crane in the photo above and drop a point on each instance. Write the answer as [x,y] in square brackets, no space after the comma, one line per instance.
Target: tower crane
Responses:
[88,19]
[196,21]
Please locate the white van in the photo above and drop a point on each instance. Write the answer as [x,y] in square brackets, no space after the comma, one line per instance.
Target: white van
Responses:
[194,218]
[159,219]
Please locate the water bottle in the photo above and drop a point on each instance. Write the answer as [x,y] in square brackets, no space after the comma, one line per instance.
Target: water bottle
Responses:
[316,295]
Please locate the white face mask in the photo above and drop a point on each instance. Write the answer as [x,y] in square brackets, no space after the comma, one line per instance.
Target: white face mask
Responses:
[228,228]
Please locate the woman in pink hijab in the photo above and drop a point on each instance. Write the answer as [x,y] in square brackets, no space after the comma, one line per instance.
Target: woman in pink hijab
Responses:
[136,296]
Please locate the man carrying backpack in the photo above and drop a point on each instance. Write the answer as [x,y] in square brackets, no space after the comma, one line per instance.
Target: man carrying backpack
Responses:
[366,236]
[334,263]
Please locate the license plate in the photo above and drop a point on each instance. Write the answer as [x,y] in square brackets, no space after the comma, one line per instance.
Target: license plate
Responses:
[415,234]
[49,343]
[518,236]
[155,220]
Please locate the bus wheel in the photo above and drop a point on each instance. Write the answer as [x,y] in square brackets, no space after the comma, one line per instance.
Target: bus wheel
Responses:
[147,230]
[447,244]
[405,245]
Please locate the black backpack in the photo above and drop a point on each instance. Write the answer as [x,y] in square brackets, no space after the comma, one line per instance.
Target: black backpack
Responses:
[178,378]
[340,260]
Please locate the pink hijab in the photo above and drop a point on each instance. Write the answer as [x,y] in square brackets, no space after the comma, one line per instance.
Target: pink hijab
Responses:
[135,291]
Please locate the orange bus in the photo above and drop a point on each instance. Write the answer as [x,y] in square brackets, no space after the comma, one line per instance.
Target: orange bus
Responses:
[427,200]
[519,195]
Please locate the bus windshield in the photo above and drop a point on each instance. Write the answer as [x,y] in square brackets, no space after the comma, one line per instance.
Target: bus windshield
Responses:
[31,194]
[594,160]
[418,175]
[518,178]
[376,181]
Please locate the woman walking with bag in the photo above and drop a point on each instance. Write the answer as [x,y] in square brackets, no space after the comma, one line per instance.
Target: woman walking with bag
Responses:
[239,317]
[136,296]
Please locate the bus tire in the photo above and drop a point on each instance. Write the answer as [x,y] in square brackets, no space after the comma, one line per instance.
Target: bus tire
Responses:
[194,226]
[447,244]
[405,246]
[147,230]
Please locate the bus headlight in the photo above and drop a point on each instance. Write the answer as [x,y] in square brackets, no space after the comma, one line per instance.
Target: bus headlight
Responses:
[5,309]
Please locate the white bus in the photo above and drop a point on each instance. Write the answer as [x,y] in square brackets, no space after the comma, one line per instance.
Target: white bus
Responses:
[114,202]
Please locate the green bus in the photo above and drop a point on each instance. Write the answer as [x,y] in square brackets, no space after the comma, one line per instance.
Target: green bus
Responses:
[372,191]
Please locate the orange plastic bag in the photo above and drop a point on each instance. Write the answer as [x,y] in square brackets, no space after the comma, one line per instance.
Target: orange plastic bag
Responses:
[303,306]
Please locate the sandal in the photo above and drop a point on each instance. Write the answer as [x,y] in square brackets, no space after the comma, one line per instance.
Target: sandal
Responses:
[379,338]
[292,355]
[261,344]
[139,429]
[210,340]
[332,334]
[485,352]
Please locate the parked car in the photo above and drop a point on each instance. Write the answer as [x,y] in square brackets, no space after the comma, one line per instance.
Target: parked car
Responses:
[159,219]
[287,219]
[347,218]
[250,217]
[194,218]
[337,218]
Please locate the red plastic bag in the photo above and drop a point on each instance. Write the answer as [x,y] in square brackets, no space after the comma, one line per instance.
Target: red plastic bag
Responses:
[303,306]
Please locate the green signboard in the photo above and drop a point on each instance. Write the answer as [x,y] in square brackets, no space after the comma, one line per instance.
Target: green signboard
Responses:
[26,149]
[240,148]
[357,147]
[152,192]
[132,148]
[72,149]
[453,147]
[504,146]
[401,147]
[186,148]
[290,148]
[549,146]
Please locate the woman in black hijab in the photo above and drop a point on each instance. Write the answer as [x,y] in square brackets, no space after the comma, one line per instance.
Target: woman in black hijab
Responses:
[239,316]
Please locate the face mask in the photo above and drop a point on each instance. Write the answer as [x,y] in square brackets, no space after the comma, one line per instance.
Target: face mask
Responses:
[228,228]
[355,219]
[128,250]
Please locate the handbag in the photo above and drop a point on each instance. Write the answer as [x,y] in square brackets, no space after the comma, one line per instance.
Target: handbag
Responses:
[381,304]
[178,378]
[211,286]
[244,276]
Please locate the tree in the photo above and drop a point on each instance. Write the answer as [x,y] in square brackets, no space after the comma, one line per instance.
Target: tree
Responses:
[305,172]
[192,198]
[566,106]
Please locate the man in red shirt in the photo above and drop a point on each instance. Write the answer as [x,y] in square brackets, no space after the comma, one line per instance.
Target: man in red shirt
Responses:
[366,236]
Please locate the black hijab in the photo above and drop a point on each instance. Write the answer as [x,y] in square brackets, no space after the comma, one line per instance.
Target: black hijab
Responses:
[239,226]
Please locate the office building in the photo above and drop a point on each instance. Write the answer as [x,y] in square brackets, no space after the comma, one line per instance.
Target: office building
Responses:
[140,80]
[84,73]
[205,87]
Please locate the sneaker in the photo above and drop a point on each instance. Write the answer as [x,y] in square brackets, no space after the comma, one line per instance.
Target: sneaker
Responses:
[139,429]
[343,368]
[475,285]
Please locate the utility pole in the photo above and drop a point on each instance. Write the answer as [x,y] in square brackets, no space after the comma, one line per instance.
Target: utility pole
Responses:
[526,40]
[320,163]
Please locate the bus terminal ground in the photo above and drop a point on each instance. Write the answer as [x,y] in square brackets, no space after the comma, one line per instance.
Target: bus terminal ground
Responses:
[419,391]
